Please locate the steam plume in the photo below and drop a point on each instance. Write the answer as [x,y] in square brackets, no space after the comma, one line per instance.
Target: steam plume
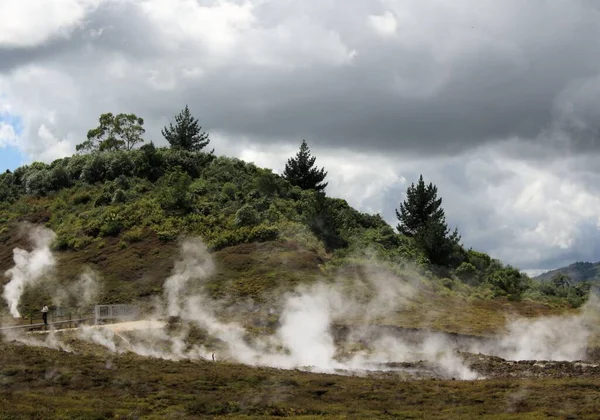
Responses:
[30,267]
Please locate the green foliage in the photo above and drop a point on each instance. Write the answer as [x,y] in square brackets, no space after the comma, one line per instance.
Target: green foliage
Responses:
[508,282]
[168,193]
[173,192]
[422,217]
[111,225]
[119,196]
[300,170]
[115,132]
[187,133]
[246,216]
[467,272]
[134,235]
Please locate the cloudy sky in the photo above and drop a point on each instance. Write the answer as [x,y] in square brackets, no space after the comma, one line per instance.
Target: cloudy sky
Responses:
[496,102]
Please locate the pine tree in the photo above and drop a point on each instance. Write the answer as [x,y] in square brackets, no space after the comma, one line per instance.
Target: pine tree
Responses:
[187,133]
[300,170]
[422,217]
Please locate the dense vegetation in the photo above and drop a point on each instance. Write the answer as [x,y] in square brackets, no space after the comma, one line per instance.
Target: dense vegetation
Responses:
[117,191]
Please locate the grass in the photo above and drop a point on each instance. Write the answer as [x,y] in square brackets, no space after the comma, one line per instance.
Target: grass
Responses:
[44,383]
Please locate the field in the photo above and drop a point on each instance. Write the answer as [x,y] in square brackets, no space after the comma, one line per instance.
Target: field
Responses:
[90,382]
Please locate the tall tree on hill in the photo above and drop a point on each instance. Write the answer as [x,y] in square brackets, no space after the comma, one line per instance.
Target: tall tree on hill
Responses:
[300,170]
[422,217]
[115,132]
[187,133]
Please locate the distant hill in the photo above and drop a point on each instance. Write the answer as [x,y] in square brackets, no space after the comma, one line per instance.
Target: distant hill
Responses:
[577,272]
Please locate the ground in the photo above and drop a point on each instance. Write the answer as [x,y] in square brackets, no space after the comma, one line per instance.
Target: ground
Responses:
[92,383]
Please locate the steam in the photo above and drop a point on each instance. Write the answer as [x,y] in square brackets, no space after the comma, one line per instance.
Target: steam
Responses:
[304,337]
[84,291]
[48,340]
[30,267]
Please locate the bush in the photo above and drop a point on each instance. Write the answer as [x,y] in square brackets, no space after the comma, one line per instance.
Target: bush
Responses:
[246,216]
[59,178]
[173,192]
[119,163]
[119,196]
[263,233]
[82,198]
[111,226]
[38,182]
[466,272]
[133,235]
[95,169]
[508,282]
[75,165]
[228,190]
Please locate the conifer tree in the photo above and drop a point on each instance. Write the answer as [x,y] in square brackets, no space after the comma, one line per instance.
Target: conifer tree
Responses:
[300,170]
[187,133]
[422,217]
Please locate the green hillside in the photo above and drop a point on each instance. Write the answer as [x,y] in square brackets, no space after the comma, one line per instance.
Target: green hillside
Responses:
[123,213]
[577,272]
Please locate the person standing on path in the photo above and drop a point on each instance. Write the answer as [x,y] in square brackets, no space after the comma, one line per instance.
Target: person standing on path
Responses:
[45,314]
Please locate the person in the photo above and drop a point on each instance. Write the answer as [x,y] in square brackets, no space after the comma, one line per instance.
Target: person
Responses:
[45,314]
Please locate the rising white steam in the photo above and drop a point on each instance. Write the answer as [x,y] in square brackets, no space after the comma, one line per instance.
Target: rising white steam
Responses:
[83,292]
[304,337]
[30,266]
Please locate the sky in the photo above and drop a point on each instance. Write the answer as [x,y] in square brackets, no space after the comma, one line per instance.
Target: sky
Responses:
[495,102]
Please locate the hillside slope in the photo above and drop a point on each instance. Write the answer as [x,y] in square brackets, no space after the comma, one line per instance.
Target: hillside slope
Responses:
[123,214]
[577,272]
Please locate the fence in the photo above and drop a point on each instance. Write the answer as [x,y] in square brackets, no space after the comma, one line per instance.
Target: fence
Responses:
[120,312]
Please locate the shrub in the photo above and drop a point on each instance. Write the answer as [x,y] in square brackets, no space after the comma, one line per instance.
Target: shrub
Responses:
[119,196]
[59,178]
[466,272]
[263,233]
[75,166]
[228,190]
[508,282]
[111,226]
[103,199]
[95,168]
[173,191]
[38,182]
[246,216]
[133,235]
[119,163]
[82,198]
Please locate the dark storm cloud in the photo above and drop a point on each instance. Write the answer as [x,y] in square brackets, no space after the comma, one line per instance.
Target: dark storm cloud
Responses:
[443,82]
[483,98]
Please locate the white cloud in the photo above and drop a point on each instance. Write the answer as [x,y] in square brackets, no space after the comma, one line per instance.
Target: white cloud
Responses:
[7,135]
[32,22]
[385,24]
[218,26]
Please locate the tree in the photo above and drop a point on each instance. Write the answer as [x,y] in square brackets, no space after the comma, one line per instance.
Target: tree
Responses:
[422,217]
[122,131]
[187,133]
[561,280]
[509,281]
[300,170]
[130,129]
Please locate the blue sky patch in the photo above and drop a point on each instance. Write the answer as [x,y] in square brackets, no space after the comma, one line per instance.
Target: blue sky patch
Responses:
[10,156]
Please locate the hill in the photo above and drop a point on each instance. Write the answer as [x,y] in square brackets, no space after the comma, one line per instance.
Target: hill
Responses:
[123,214]
[577,272]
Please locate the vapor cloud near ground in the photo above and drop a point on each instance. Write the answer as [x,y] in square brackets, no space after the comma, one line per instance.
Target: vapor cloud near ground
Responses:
[305,337]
